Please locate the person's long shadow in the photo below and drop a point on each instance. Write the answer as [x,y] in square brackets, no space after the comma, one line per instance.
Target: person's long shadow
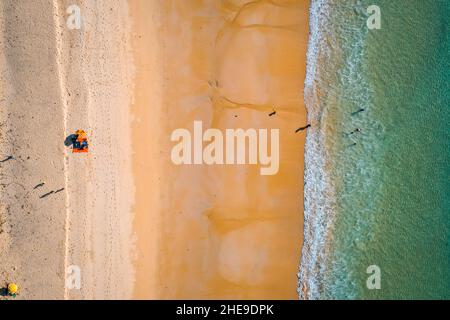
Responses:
[70,139]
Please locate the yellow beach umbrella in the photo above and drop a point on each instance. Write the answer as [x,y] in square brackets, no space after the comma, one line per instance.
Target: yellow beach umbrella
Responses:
[12,288]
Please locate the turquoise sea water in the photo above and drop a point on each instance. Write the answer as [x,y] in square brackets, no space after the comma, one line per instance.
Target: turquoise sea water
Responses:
[379,196]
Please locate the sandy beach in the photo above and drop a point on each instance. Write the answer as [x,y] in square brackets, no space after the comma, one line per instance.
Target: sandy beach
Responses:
[54,81]
[137,225]
[218,231]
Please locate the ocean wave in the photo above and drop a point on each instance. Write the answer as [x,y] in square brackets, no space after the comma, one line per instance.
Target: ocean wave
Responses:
[318,196]
[334,58]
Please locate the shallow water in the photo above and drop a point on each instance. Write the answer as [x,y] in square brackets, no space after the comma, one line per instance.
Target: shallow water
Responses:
[379,196]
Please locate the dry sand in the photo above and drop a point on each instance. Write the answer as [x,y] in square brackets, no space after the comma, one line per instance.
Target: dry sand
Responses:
[219,231]
[54,81]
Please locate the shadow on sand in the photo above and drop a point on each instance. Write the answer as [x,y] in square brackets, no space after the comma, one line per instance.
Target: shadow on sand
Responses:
[70,139]
[4,292]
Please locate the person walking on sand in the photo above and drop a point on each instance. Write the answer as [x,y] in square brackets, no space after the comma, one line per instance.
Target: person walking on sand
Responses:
[303,128]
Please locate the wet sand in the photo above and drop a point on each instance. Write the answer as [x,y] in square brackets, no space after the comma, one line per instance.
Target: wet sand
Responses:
[218,231]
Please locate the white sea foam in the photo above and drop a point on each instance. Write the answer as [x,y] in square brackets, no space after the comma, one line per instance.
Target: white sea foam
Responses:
[318,196]
[324,96]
